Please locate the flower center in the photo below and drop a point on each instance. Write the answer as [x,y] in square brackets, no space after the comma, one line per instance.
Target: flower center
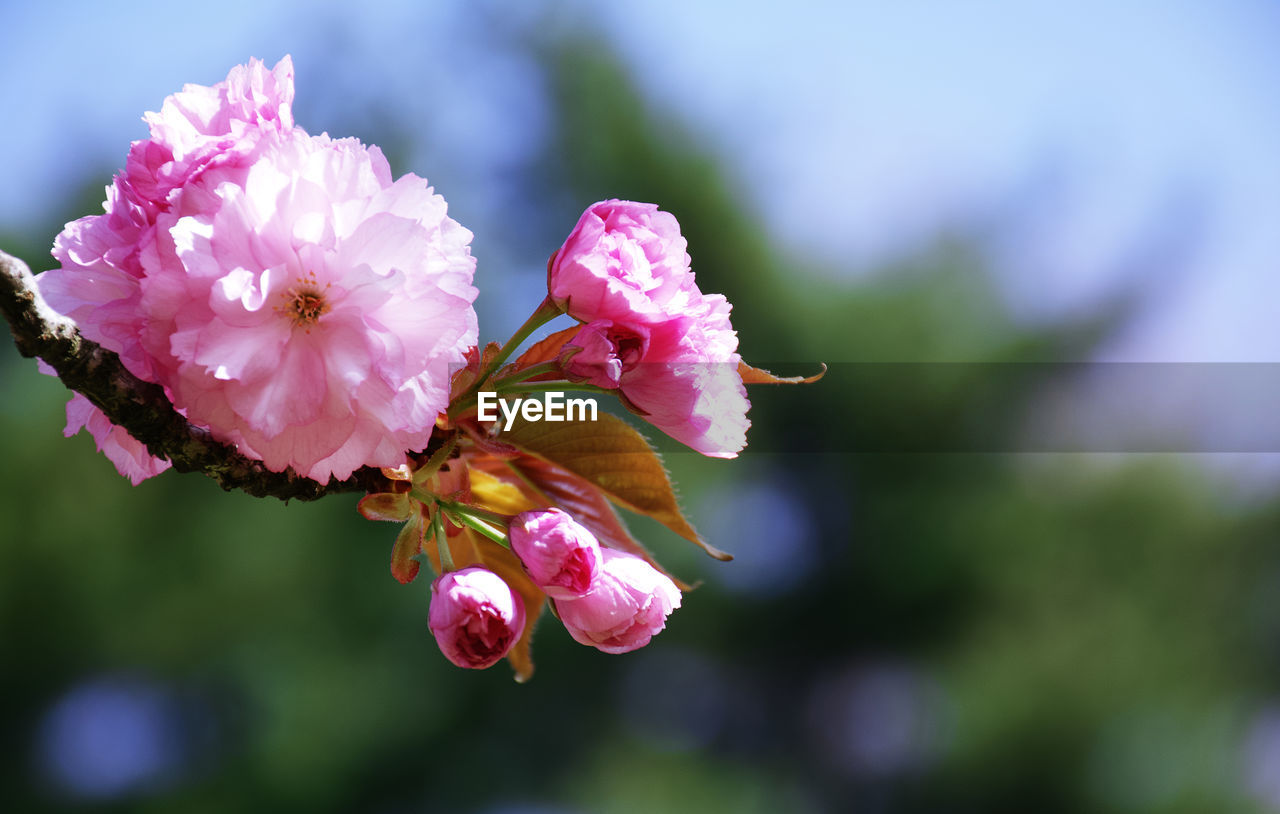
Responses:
[304,301]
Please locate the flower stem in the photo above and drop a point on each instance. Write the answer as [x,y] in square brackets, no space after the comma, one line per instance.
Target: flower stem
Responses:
[436,461]
[476,511]
[543,314]
[477,520]
[442,542]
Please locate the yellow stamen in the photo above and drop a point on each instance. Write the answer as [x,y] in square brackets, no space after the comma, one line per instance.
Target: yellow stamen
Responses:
[304,302]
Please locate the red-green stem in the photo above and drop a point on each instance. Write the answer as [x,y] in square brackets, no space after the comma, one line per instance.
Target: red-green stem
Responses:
[543,314]
[477,519]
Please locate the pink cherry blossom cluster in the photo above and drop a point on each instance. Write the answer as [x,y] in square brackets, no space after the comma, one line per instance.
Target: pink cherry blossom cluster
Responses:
[301,305]
[650,333]
[611,600]
[289,295]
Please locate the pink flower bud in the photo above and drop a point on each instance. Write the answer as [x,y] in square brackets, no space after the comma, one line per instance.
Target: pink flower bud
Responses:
[602,351]
[559,554]
[629,605]
[623,261]
[475,617]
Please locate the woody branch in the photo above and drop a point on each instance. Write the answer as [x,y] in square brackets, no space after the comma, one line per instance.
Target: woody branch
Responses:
[141,407]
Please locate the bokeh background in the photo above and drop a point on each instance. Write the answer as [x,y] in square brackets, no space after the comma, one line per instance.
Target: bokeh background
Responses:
[976,622]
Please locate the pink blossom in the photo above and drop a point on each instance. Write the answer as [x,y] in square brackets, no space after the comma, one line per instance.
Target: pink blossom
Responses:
[100,256]
[559,554]
[627,608]
[651,333]
[475,617]
[317,311]
[198,129]
[623,261]
[289,295]
[129,456]
[203,128]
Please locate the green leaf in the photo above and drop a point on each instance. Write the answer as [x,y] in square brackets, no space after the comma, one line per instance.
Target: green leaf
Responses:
[610,455]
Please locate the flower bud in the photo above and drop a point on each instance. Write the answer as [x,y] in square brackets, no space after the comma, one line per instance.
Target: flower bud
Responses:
[602,351]
[475,617]
[623,261]
[560,555]
[629,605]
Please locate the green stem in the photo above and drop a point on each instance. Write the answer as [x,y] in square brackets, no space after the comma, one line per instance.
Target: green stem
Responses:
[471,518]
[484,528]
[476,511]
[543,314]
[442,542]
[436,461]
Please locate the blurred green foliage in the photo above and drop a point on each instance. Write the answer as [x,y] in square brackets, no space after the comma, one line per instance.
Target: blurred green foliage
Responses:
[968,633]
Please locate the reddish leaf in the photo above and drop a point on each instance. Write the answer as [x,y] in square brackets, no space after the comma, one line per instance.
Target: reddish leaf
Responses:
[398,474]
[394,506]
[755,375]
[408,545]
[476,362]
[487,443]
[609,454]
[546,350]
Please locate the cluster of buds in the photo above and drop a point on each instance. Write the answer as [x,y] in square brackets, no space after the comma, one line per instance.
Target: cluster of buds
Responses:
[518,516]
[612,600]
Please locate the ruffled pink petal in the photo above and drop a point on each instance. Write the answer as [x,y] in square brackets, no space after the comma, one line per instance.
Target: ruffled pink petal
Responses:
[130,457]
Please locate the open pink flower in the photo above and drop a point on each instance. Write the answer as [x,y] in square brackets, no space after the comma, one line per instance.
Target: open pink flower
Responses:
[627,608]
[688,385]
[475,617]
[561,556]
[317,310]
[287,293]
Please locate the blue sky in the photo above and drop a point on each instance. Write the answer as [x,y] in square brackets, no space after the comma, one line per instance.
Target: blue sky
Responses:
[1098,145]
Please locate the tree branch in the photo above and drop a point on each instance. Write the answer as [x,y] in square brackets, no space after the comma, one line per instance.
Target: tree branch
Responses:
[141,407]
